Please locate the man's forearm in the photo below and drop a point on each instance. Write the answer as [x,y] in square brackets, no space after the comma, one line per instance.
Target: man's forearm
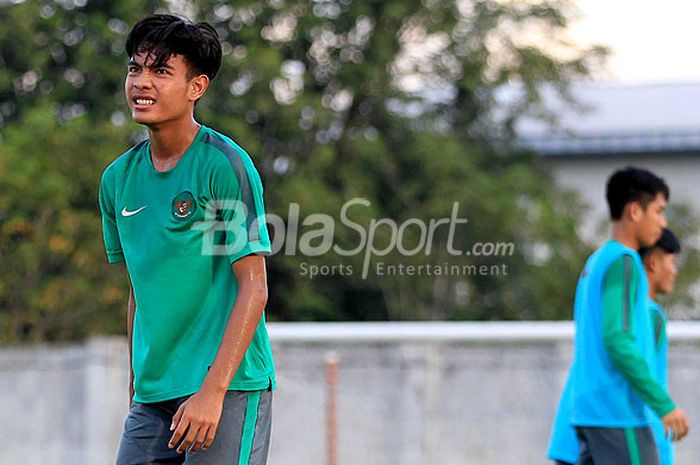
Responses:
[628,360]
[240,329]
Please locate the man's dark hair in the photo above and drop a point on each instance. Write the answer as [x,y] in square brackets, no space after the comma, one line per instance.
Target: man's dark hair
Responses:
[633,185]
[163,35]
[667,243]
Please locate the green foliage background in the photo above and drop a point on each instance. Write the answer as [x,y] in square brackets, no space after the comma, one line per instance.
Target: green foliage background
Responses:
[323,95]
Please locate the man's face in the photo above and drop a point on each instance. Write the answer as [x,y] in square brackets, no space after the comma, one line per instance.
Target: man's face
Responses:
[158,95]
[651,221]
[663,270]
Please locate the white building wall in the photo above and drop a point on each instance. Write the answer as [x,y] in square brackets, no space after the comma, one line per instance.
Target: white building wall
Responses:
[588,177]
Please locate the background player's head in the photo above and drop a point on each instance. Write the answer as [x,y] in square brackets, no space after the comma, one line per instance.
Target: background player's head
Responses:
[171,62]
[660,262]
[637,199]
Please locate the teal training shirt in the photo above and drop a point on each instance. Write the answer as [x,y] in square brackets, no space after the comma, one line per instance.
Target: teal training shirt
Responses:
[179,231]
[563,444]
[601,395]
[659,320]
[563,440]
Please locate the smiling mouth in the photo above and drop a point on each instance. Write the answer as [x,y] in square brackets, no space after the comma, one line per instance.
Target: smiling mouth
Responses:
[144,101]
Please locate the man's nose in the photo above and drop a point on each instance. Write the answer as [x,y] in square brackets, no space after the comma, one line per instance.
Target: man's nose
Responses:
[142,81]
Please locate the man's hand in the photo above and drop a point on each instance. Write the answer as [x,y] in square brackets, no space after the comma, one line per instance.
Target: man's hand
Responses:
[197,420]
[675,424]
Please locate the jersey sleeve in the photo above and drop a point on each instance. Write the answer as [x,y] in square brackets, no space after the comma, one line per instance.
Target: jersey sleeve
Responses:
[110,233]
[238,190]
[658,322]
[619,291]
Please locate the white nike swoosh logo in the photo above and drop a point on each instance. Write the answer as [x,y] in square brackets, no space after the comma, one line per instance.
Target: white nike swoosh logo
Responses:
[126,212]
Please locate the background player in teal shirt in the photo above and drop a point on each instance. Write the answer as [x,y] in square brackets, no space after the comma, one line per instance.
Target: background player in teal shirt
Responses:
[611,381]
[660,266]
[184,210]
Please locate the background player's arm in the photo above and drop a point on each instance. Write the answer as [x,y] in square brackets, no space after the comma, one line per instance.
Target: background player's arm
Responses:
[659,324]
[619,295]
[197,419]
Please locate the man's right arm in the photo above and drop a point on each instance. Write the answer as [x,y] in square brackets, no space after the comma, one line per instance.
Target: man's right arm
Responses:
[113,247]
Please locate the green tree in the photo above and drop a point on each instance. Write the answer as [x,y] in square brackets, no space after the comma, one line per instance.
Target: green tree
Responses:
[61,75]
[54,282]
[354,116]
[391,101]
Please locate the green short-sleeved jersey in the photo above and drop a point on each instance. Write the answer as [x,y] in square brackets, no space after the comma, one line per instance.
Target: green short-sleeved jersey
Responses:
[179,231]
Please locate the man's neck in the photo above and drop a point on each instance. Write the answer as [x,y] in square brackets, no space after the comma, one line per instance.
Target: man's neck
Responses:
[652,288]
[623,235]
[169,142]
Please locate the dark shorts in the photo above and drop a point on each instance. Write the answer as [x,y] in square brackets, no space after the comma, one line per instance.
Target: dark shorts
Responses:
[617,446]
[242,437]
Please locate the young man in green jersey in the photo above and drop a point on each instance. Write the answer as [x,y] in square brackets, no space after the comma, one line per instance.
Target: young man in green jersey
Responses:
[660,265]
[612,384]
[184,210]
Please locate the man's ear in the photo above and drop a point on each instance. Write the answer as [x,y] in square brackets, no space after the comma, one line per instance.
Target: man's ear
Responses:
[198,85]
[651,261]
[635,210]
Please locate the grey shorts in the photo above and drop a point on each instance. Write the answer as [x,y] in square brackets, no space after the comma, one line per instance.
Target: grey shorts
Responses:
[242,437]
[617,446]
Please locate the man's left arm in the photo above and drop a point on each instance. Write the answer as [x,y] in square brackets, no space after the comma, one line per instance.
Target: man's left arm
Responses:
[198,417]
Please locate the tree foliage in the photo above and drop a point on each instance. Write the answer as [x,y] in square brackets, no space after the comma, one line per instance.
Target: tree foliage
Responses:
[394,102]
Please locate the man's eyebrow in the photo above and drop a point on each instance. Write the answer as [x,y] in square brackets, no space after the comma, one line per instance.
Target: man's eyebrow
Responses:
[164,65]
